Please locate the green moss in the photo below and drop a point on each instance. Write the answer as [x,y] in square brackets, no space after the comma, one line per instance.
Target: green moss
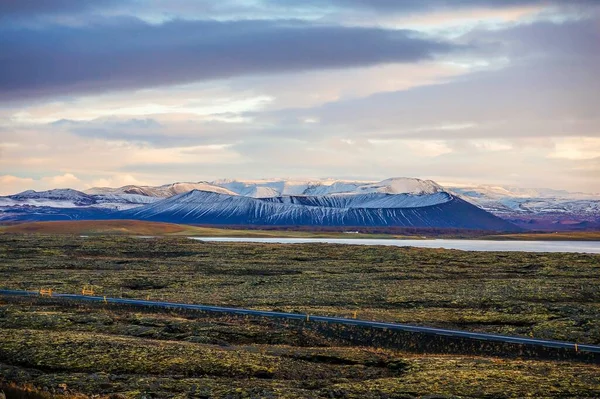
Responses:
[104,350]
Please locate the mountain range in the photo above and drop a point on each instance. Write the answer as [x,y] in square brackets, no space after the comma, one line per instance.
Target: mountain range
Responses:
[539,209]
[400,202]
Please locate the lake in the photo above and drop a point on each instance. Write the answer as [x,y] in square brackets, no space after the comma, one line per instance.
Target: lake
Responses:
[465,245]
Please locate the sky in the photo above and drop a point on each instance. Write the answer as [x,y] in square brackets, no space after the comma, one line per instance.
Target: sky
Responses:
[117,92]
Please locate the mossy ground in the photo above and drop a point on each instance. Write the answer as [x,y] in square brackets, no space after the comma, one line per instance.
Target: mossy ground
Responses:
[106,351]
[96,350]
[144,228]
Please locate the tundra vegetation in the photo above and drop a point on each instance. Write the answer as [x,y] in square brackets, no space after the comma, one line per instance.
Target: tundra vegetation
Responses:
[50,347]
[144,228]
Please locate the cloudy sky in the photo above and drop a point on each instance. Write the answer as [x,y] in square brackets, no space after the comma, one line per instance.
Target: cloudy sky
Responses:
[115,92]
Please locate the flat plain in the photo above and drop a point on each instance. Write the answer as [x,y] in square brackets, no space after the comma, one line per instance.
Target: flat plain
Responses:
[144,228]
[78,349]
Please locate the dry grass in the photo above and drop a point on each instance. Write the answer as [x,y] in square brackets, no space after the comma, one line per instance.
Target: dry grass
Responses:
[115,351]
[98,349]
[143,228]
[122,227]
[560,236]
[553,296]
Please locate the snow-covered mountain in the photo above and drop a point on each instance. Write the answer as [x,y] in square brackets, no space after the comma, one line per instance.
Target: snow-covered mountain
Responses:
[68,198]
[329,198]
[165,191]
[534,208]
[439,210]
[287,187]
[132,196]
[279,187]
[391,202]
[59,198]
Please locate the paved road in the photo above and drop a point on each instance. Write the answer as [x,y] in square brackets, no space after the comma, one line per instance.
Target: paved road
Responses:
[337,320]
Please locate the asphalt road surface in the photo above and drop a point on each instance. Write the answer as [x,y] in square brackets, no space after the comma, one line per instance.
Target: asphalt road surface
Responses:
[326,319]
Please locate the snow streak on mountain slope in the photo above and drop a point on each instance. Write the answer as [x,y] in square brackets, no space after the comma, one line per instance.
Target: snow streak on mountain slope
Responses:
[165,191]
[212,208]
[374,200]
[247,189]
[514,201]
[530,208]
[276,188]
[490,191]
[60,198]
[273,188]
[331,194]
[67,198]
[542,209]
[402,186]
[122,201]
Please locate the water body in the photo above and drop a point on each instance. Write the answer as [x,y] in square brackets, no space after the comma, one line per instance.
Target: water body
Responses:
[465,245]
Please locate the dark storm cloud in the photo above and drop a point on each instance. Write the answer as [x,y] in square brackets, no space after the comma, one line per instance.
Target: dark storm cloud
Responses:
[428,5]
[554,100]
[151,131]
[568,39]
[419,6]
[128,53]
[549,89]
[39,7]
[23,8]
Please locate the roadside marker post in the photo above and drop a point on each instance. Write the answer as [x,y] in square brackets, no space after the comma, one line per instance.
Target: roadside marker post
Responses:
[87,290]
[584,348]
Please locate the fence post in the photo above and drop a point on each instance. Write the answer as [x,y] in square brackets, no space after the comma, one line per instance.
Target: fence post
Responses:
[87,290]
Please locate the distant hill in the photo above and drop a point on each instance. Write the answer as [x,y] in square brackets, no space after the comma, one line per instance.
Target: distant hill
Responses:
[536,209]
[407,210]
[165,191]
[126,227]
[395,202]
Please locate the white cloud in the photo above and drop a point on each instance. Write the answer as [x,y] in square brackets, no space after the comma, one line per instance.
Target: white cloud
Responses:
[201,154]
[491,145]
[117,180]
[13,184]
[412,148]
[63,181]
[528,120]
[576,148]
